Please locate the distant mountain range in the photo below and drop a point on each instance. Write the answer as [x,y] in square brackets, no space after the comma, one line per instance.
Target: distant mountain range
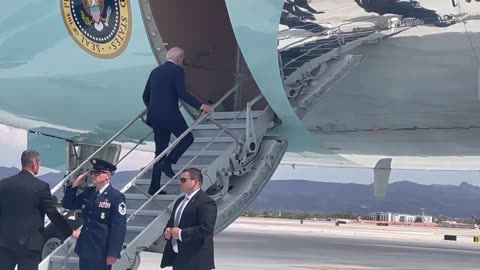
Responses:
[321,197]
[402,197]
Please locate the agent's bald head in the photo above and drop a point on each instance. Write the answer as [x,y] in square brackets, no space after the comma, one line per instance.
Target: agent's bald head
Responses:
[176,55]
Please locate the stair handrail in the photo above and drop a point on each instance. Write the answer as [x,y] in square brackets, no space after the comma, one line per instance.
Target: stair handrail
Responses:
[120,160]
[172,145]
[223,129]
[134,147]
[108,142]
[167,150]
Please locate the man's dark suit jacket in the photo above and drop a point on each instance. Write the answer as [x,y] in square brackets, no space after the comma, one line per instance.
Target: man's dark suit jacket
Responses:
[164,87]
[195,251]
[24,201]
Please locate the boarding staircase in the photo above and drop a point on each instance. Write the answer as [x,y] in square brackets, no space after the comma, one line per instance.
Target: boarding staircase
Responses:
[236,156]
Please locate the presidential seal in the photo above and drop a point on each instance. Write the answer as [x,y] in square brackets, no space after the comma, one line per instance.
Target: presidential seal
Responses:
[100,27]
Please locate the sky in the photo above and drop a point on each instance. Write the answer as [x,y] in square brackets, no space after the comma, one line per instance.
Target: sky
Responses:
[13,141]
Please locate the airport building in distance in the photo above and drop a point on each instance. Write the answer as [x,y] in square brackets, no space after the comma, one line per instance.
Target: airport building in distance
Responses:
[396,217]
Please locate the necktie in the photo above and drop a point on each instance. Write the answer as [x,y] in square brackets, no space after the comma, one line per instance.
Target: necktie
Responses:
[176,221]
[178,215]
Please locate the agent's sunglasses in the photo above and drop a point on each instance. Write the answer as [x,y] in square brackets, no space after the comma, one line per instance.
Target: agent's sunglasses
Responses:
[183,179]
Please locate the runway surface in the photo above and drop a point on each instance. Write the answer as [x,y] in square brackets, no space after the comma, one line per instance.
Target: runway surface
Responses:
[266,246]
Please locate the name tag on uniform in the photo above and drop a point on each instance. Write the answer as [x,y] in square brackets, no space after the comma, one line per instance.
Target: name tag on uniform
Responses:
[105,205]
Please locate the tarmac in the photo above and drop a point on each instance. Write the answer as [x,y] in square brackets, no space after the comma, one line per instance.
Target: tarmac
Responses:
[264,243]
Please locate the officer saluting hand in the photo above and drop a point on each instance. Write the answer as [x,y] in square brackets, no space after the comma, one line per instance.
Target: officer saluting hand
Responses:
[104,217]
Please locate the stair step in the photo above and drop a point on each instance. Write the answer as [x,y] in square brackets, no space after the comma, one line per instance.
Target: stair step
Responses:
[175,167]
[211,130]
[143,217]
[214,133]
[218,139]
[136,229]
[144,181]
[203,158]
[159,202]
[202,153]
[225,118]
[231,115]
[215,127]
[61,259]
[133,231]
[201,140]
[143,185]
[219,143]
[150,213]
[157,198]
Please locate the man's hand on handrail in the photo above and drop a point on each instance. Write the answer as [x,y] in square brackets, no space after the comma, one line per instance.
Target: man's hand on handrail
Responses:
[76,234]
[207,109]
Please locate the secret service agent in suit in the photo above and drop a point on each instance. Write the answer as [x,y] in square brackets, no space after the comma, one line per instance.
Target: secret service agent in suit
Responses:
[104,217]
[164,87]
[189,232]
[24,201]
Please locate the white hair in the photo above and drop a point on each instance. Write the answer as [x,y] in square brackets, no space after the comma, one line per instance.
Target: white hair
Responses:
[175,53]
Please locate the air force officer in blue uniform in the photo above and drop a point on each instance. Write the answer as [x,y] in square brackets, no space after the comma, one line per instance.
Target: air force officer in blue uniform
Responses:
[104,218]
[164,88]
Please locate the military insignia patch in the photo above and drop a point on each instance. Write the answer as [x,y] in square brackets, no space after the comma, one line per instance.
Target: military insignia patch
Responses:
[102,215]
[104,204]
[122,209]
[102,28]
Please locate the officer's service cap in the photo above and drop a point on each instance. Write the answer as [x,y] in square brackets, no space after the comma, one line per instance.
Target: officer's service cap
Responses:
[102,165]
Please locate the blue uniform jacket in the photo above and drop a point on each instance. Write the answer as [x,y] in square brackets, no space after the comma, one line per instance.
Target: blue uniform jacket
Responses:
[104,221]
[164,87]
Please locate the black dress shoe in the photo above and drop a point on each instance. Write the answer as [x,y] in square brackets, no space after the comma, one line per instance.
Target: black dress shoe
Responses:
[153,190]
[167,169]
